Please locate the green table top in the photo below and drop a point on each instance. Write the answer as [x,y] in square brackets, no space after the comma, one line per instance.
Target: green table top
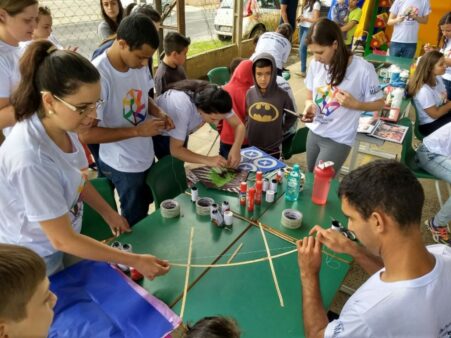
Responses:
[247,293]
[169,239]
[403,63]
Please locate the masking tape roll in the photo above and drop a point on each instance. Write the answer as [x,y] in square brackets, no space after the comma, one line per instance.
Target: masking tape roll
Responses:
[291,218]
[203,206]
[170,209]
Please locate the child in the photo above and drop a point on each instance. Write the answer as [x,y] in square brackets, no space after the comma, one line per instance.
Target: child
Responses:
[434,156]
[277,44]
[429,93]
[444,40]
[353,20]
[265,105]
[213,327]
[340,12]
[26,307]
[43,29]
[170,68]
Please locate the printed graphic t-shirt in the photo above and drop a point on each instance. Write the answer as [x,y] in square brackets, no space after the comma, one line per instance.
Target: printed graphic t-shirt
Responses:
[332,120]
[275,44]
[412,308]
[39,182]
[428,97]
[126,106]
[407,30]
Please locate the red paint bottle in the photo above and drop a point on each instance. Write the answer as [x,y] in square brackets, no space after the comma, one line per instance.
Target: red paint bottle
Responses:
[250,199]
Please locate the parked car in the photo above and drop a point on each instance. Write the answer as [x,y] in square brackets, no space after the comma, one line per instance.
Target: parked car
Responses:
[164,3]
[256,16]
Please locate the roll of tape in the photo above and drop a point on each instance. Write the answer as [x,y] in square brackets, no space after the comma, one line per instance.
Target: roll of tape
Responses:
[203,206]
[170,209]
[291,218]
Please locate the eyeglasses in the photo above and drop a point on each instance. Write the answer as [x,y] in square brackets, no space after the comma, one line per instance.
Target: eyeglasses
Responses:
[79,110]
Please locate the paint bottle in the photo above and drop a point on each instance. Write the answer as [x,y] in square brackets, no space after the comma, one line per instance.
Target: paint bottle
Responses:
[259,176]
[194,194]
[250,199]
[265,184]
[273,185]
[217,219]
[279,175]
[258,192]
[225,206]
[242,195]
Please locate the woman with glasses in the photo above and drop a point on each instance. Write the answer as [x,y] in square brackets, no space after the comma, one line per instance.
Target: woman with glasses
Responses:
[42,164]
[112,14]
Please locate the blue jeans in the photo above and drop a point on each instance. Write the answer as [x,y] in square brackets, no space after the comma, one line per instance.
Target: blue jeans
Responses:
[134,193]
[303,47]
[404,50]
[440,167]
[448,88]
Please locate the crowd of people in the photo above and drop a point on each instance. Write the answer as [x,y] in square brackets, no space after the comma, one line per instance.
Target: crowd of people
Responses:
[54,102]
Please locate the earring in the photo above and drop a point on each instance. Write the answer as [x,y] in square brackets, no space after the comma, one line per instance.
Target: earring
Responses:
[50,112]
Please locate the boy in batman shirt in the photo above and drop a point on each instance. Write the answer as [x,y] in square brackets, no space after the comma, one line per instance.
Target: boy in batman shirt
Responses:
[268,122]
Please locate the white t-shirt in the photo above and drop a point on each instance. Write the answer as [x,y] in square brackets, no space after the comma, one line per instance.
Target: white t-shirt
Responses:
[332,120]
[126,96]
[275,44]
[419,307]
[428,97]
[309,14]
[39,182]
[439,142]
[178,105]
[446,50]
[407,30]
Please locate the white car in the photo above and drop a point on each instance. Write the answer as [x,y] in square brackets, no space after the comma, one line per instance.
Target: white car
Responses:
[256,15]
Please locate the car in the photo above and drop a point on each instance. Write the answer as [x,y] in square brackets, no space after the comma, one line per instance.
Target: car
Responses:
[165,4]
[256,16]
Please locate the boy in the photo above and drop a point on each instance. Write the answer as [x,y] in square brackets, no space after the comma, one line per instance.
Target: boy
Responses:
[267,121]
[340,12]
[408,293]
[170,68]
[353,20]
[213,327]
[126,126]
[26,306]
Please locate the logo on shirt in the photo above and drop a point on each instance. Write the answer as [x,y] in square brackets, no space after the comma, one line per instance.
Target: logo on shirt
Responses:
[263,112]
[77,206]
[410,12]
[325,99]
[133,109]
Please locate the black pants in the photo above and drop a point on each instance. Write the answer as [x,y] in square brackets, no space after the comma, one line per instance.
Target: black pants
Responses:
[429,128]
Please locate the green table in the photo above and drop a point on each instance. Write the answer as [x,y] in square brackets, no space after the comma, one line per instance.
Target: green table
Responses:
[403,63]
[247,293]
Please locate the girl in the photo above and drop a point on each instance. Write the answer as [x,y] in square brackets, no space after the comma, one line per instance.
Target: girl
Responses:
[191,103]
[444,41]
[310,14]
[340,86]
[112,13]
[41,163]
[429,93]
[17,23]
[434,156]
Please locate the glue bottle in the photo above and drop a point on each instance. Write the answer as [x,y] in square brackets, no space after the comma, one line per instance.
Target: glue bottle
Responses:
[293,184]
[250,199]
[258,192]
[242,195]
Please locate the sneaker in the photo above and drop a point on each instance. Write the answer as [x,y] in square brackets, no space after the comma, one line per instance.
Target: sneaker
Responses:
[301,74]
[439,234]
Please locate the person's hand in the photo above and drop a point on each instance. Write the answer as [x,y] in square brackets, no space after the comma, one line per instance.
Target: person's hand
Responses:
[234,158]
[346,100]
[150,266]
[168,123]
[334,240]
[309,113]
[400,18]
[151,127]
[117,223]
[309,256]
[216,161]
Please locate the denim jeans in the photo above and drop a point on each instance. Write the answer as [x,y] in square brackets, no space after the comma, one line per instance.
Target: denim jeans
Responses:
[440,167]
[134,193]
[303,47]
[405,50]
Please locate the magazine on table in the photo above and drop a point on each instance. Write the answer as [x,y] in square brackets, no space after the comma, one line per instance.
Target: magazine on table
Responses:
[389,132]
[367,122]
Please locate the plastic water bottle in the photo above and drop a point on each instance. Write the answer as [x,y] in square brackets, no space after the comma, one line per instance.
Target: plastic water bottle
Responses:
[293,184]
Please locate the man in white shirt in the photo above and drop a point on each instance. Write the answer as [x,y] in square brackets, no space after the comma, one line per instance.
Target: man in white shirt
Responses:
[408,294]
[129,117]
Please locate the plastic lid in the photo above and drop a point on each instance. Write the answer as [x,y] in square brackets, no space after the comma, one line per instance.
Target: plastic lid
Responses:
[296,167]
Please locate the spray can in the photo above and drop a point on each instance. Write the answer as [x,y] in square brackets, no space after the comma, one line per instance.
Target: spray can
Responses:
[243,190]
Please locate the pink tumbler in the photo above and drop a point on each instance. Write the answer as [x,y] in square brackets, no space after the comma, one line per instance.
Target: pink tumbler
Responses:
[324,172]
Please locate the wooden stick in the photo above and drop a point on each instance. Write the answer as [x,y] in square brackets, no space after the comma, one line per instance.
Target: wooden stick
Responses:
[274,277]
[234,254]
[292,112]
[188,266]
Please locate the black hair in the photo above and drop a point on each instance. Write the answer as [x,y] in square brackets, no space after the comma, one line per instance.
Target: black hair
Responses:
[386,186]
[234,63]
[113,24]
[286,30]
[148,11]
[213,327]
[261,63]
[45,68]
[175,42]
[445,20]
[128,10]
[206,96]
[324,33]
[137,30]
[309,4]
